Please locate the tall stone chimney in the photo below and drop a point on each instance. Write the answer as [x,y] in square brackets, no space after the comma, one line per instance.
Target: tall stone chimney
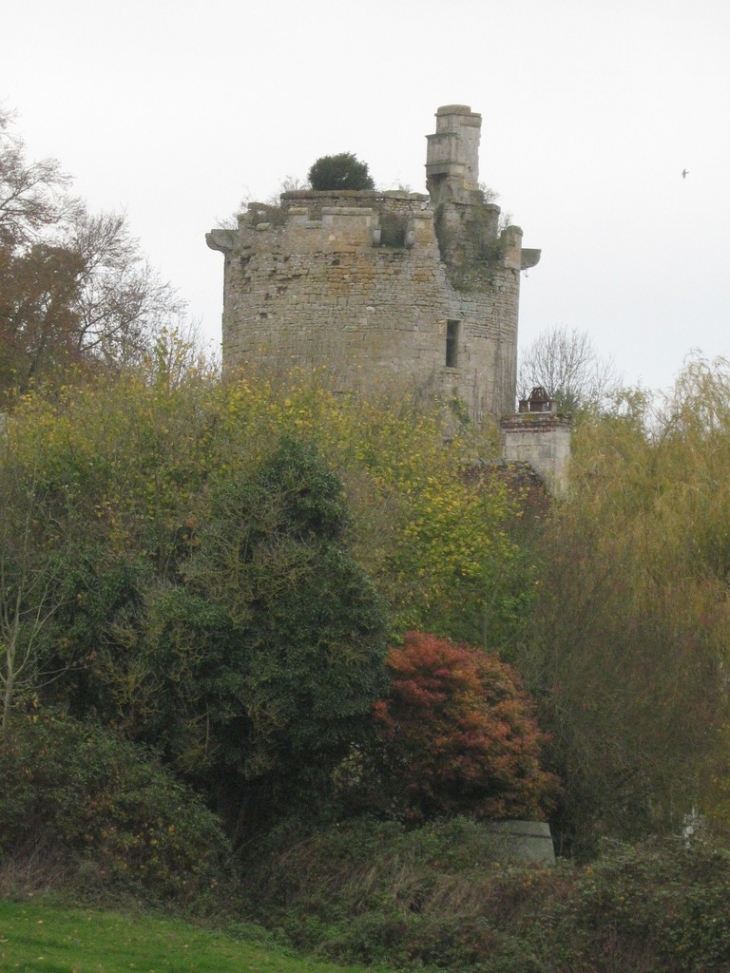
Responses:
[540,436]
[452,158]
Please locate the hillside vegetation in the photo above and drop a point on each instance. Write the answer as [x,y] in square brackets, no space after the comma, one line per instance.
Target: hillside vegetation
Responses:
[269,652]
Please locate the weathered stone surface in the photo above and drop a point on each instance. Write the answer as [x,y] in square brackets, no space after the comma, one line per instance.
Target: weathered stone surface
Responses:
[384,286]
[527,841]
[220,239]
[541,439]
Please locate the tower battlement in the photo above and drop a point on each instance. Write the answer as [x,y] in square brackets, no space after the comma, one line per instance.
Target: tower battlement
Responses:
[319,220]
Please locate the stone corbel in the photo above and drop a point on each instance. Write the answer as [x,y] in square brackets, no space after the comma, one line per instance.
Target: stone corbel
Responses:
[529,258]
[220,239]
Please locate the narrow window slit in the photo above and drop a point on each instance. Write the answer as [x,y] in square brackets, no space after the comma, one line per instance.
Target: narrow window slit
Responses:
[452,344]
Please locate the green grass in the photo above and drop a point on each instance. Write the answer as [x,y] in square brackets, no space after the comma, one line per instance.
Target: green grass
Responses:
[38,938]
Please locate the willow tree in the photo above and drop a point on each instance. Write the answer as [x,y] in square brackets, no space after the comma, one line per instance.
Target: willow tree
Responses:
[632,620]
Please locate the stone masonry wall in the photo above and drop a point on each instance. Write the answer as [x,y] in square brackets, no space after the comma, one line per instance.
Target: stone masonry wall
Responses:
[543,441]
[325,292]
[381,287]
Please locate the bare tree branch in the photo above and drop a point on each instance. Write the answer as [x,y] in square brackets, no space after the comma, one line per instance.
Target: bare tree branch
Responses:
[75,288]
[566,364]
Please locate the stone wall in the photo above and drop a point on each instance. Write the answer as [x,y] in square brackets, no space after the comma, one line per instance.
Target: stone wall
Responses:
[383,287]
[543,441]
[522,841]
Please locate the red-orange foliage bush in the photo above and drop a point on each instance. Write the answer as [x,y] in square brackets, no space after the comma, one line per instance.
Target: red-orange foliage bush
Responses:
[460,734]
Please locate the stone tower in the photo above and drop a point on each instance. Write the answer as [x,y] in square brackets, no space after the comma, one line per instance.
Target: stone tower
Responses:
[384,287]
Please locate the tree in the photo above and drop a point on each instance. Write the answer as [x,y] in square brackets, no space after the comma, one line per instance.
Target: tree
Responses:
[34,545]
[33,196]
[460,735]
[237,553]
[122,304]
[567,366]
[74,288]
[272,649]
[441,552]
[631,624]
[208,602]
[39,292]
[343,171]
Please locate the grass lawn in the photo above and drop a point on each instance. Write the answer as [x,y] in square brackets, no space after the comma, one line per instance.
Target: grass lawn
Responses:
[37,938]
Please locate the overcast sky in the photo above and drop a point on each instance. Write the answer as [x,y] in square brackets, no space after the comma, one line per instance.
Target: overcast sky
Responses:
[175,111]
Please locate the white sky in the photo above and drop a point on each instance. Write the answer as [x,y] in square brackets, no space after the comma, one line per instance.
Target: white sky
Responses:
[174,111]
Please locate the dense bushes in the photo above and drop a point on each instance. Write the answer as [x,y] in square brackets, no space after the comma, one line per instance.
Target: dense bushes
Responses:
[211,567]
[378,893]
[107,807]
[209,603]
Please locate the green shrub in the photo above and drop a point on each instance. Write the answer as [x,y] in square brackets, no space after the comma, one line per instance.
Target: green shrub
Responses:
[376,891]
[433,898]
[343,171]
[668,899]
[108,806]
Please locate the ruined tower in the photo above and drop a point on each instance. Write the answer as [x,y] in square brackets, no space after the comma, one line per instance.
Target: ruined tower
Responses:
[384,287]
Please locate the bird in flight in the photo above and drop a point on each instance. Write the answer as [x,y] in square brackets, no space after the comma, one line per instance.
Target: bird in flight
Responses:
[684,173]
